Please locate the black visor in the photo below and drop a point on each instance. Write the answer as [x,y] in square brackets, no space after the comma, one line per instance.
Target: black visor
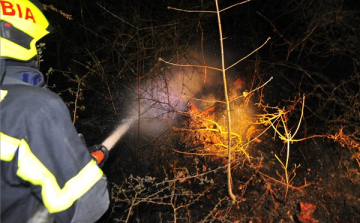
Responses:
[10,32]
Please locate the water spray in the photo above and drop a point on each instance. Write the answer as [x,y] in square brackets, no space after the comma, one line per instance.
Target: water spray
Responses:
[116,135]
[100,152]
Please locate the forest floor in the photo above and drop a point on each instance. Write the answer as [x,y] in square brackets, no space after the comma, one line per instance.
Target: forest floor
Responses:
[167,186]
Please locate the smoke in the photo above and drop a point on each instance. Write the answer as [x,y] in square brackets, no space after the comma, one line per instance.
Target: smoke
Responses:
[164,96]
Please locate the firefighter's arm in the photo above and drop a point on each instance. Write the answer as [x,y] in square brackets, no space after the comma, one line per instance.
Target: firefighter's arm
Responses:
[72,181]
[94,203]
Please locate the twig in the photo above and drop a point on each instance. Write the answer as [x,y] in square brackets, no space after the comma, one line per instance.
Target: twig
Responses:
[128,23]
[240,3]
[184,10]
[254,51]
[244,95]
[78,92]
[204,11]
[288,137]
[189,65]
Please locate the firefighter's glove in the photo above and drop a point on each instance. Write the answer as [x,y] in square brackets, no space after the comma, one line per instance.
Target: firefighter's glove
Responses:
[99,153]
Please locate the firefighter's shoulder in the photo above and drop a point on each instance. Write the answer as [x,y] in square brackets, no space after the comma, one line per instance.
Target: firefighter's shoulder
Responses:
[34,97]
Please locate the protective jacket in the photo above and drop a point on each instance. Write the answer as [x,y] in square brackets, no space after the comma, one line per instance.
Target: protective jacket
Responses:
[43,161]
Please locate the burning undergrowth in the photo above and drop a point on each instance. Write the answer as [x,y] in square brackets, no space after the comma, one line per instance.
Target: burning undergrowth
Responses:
[182,168]
[178,151]
[187,155]
[285,166]
[205,132]
[190,101]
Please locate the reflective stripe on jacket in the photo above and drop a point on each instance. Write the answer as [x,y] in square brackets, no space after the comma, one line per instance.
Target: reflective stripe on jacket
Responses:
[44,161]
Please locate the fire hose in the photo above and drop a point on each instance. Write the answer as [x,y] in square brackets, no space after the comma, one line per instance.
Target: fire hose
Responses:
[100,153]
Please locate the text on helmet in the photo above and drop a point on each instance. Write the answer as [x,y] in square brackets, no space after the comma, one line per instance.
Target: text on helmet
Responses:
[7,8]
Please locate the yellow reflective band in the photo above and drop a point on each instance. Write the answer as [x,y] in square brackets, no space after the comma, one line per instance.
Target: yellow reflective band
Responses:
[30,169]
[3,93]
[57,199]
[8,147]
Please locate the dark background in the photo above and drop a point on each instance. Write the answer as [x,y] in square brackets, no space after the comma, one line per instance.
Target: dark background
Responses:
[101,49]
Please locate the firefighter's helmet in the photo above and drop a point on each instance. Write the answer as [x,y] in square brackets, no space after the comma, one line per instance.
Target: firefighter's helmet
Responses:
[22,24]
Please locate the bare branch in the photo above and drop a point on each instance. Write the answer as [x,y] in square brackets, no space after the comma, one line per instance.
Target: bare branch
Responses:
[240,3]
[254,51]
[196,11]
[189,65]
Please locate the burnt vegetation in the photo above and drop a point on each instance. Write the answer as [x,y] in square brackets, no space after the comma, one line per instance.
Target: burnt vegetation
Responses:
[293,99]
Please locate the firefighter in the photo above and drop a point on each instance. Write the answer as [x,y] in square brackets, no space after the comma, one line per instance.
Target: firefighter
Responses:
[46,170]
